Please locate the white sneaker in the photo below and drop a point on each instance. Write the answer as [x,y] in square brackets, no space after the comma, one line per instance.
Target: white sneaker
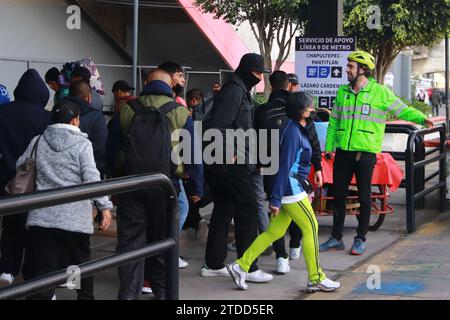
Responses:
[326,285]
[259,276]
[238,275]
[6,279]
[232,246]
[54,297]
[207,272]
[146,290]
[295,253]
[182,264]
[283,265]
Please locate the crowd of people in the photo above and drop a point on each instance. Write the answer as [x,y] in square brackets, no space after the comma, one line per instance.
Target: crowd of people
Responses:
[73,144]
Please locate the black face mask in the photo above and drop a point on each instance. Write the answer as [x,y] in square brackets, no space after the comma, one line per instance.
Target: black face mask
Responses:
[247,77]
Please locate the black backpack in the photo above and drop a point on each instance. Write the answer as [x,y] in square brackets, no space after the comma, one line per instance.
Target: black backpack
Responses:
[148,145]
[275,117]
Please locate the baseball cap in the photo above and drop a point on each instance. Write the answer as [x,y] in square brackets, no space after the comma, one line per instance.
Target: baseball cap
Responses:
[121,85]
[253,61]
[293,78]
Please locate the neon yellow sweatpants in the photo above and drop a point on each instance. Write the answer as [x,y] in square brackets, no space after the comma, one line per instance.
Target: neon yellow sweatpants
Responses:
[302,214]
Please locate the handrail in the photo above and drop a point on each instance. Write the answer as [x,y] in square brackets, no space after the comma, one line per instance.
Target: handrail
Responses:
[412,164]
[20,203]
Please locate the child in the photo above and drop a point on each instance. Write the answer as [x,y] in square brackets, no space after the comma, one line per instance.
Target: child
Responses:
[59,235]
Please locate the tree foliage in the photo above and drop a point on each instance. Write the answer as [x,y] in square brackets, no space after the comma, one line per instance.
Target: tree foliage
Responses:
[404,24]
[270,20]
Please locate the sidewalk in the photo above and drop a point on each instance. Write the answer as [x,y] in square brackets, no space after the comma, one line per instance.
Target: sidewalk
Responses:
[385,247]
[417,267]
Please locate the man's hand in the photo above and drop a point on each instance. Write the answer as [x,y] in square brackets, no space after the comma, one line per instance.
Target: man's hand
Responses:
[274,210]
[195,199]
[318,178]
[105,220]
[429,123]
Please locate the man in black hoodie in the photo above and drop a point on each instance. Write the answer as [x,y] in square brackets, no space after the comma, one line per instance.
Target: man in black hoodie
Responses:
[20,121]
[92,122]
[230,184]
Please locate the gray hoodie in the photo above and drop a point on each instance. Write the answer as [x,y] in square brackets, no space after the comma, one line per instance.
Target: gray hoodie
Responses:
[64,158]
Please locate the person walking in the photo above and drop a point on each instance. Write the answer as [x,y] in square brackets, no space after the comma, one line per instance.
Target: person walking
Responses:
[230,183]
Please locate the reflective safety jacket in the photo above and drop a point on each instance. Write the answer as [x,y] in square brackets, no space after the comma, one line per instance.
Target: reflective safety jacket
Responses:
[357,121]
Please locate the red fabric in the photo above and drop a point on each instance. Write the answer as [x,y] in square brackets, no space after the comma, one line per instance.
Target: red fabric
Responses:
[181,101]
[435,143]
[386,172]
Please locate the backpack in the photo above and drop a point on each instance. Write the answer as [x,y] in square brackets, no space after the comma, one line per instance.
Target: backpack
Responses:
[275,117]
[147,147]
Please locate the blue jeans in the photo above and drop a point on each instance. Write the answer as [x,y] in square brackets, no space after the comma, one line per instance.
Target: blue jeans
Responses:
[183,203]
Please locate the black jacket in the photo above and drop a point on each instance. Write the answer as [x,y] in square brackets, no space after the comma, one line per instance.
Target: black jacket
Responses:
[316,157]
[93,123]
[278,98]
[21,120]
[232,109]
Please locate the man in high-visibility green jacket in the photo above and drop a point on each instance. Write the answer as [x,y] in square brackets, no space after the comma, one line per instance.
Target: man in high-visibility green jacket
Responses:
[356,132]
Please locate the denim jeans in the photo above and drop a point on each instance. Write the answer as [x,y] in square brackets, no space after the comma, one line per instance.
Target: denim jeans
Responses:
[183,203]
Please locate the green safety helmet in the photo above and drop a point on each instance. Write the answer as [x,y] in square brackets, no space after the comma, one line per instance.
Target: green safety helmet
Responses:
[362,57]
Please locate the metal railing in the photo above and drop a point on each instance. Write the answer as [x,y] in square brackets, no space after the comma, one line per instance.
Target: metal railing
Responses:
[13,68]
[413,195]
[419,154]
[41,199]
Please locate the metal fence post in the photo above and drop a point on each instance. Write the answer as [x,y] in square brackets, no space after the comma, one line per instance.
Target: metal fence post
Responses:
[419,173]
[442,171]
[410,186]
[172,255]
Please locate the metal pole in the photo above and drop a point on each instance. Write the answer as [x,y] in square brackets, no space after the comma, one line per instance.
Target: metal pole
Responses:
[447,124]
[172,255]
[135,41]
[442,168]
[409,170]
[419,173]
[87,269]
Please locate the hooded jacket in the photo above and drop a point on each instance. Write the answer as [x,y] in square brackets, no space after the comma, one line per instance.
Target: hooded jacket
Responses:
[21,120]
[64,157]
[295,158]
[93,123]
